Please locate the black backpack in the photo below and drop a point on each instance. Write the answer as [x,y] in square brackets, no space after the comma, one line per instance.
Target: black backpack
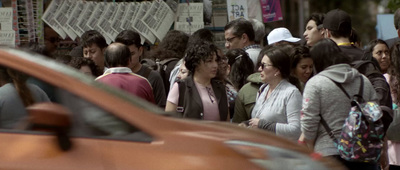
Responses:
[368,68]
[164,67]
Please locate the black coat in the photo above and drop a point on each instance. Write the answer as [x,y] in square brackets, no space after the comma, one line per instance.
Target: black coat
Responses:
[191,105]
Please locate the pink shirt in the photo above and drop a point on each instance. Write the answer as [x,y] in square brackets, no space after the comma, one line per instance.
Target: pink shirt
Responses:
[210,102]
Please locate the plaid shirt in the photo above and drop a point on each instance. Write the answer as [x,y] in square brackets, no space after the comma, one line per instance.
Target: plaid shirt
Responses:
[251,46]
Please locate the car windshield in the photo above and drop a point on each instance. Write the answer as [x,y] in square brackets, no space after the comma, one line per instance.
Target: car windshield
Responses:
[89,80]
[88,118]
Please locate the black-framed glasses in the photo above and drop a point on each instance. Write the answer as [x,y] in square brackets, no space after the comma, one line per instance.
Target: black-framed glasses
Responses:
[263,65]
[229,40]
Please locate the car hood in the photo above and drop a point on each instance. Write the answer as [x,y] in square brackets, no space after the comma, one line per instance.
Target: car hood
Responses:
[225,131]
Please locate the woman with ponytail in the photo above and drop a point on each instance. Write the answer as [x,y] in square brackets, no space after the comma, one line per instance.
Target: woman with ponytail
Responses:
[241,67]
[15,96]
[279,100]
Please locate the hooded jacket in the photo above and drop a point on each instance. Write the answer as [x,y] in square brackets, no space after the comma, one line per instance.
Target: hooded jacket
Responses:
[323,97]
[246,98]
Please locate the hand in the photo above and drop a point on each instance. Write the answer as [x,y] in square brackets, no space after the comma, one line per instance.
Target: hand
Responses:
[242,125]
[254,122]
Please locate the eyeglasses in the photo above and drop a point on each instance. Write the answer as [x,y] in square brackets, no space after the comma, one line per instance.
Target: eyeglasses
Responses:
[263,65]
[229,40]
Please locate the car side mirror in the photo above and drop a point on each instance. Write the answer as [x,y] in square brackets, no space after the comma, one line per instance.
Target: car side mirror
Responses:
[51,117]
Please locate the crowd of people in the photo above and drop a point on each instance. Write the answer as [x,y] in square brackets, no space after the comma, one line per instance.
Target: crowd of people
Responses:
[279,84]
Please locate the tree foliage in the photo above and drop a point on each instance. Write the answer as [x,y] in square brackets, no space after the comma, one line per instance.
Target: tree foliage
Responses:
[362,20]
[393,4]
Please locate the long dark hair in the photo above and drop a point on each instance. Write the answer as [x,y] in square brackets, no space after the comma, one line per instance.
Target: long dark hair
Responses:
[19,81]
[368,51]
[241,67]
[326,53]
[299,53]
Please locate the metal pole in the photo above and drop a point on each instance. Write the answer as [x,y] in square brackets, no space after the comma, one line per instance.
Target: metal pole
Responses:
[301,17]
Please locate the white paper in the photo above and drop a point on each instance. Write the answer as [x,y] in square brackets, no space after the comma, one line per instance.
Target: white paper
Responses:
[140,26]
[48,17]
[95,18]
[62,15]
[84,17]
[192,10]
[72,22]
[104,24]
[6,26]
[219,16]
[237,9]
[117,21]
[189,17]
[6,15]
[159,19]
[188,28]
[7,38]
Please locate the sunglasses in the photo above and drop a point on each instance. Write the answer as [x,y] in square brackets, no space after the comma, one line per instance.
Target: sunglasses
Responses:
[263,65]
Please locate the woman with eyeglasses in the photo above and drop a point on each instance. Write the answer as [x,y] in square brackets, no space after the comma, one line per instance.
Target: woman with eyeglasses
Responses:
[279,100]
[199,96]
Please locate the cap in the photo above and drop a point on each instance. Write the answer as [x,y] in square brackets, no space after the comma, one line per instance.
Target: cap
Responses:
[337,20]
[280,34]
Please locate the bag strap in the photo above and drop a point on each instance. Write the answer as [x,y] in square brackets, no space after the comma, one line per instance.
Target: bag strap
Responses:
[147,72]
[329,130]
[341,88]
[360,91]
[326,126]
[182,88]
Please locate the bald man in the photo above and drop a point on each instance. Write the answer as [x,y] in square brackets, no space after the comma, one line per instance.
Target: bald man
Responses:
[118,60]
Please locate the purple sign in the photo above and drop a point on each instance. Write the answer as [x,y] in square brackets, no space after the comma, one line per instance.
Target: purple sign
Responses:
[271,10]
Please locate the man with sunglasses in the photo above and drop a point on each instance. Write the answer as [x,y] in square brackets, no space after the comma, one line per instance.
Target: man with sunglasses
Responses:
[239,33]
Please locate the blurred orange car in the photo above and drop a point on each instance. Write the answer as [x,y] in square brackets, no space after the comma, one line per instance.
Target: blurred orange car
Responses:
[94,126]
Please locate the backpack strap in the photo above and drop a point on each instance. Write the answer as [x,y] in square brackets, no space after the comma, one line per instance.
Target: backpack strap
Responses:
[165,61]
[147,72]
[360,91]
[323,122]
[341,88]
[182,89]
[329,130]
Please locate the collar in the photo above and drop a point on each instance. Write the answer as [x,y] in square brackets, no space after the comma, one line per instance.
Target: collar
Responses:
[253,46]
[345,44]
[118,70]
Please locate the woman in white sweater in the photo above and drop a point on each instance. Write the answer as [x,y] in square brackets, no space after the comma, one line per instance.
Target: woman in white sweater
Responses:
[278,103]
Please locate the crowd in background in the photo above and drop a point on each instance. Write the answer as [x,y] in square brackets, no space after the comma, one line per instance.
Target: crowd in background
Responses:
[275,82]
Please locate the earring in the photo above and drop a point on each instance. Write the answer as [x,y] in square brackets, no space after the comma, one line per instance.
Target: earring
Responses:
[276,74]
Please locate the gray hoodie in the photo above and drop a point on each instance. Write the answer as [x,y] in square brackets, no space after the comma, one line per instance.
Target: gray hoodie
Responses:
[322,97]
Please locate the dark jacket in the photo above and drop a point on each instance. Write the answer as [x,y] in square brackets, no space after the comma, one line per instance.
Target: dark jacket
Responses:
[192,104]
[246,98]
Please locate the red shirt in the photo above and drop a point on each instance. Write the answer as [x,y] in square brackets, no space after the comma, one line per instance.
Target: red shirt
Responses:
[123,78]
